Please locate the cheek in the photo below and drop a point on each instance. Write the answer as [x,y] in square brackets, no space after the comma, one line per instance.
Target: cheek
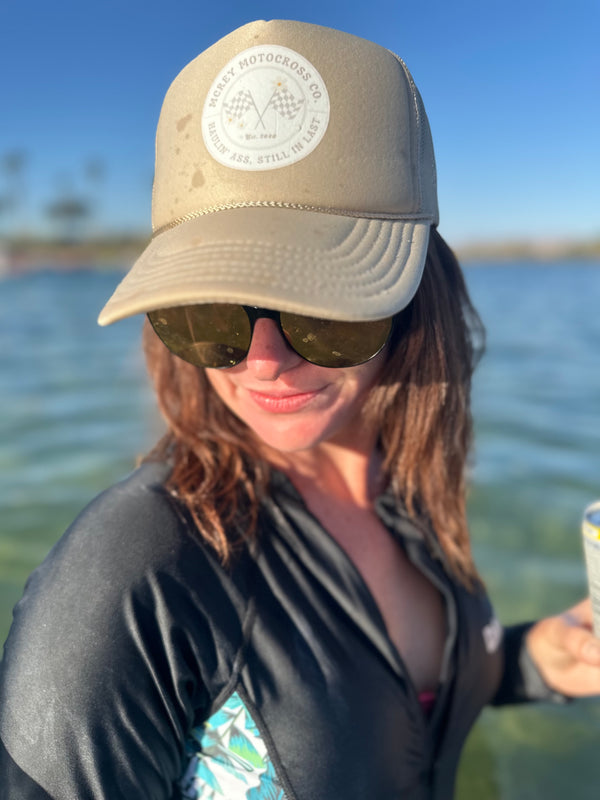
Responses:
[363,377]
[221,384]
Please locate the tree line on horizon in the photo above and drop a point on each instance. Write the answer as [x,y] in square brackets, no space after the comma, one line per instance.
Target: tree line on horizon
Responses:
[73,215]
[70,213]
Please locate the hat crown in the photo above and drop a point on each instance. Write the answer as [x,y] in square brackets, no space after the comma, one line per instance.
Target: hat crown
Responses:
[294,171]
[292,114]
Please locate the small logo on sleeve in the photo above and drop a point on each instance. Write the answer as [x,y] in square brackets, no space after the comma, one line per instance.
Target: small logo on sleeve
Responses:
[492,635]
[267,108]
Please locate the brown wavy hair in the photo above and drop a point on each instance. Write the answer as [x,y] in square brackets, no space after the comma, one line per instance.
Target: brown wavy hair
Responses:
[420,405]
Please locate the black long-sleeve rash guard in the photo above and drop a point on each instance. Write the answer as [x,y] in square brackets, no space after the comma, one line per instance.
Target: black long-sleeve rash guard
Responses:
[138,668]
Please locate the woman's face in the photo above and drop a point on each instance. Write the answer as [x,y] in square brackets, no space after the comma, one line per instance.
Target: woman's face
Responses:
[293,405]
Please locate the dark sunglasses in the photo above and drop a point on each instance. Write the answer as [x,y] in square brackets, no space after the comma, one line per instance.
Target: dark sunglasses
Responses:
[218,335]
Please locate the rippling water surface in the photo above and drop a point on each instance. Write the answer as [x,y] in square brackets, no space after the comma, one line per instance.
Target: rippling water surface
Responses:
[75,411]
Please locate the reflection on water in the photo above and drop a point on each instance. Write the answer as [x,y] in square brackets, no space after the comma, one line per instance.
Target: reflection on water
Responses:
[537,465]
[75,412]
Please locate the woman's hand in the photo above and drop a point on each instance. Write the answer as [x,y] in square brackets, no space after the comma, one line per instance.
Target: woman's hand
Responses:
[566,652]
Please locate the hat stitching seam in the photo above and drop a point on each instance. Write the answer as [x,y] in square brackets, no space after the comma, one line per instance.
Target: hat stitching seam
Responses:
[352,281]
[285,285]
[268,277]
[413,88]
[340,261]
[299,254]
[272,248]
[293,206]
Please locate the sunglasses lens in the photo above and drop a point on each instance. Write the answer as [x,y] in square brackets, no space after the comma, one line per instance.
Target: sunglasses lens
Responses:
[218,335]
[213,335]
[331,343]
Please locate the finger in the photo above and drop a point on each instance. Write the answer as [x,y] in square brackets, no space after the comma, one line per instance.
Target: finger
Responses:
[583,646]
[583,611]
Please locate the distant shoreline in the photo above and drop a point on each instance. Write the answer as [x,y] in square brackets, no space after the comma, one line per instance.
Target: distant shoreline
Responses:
[29,254]
[534,250]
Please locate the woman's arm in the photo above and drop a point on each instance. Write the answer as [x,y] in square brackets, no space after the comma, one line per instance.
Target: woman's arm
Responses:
[104,669]
[555,659]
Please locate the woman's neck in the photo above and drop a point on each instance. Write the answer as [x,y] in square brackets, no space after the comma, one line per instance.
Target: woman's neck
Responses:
[349,474]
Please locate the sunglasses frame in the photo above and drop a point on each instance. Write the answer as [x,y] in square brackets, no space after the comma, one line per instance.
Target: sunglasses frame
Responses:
[254,313]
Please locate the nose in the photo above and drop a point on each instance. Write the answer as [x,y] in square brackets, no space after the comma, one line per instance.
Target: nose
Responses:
[269,354]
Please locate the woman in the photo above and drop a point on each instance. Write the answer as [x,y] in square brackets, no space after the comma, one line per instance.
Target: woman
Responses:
[281,602]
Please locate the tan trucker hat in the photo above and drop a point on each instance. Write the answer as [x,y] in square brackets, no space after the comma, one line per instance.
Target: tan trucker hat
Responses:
[295,171]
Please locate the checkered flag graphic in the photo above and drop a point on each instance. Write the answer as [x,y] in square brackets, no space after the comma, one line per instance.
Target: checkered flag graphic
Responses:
[285,104]
[239,104]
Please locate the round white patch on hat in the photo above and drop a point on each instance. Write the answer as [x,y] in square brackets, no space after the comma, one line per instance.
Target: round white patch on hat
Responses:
[267,108]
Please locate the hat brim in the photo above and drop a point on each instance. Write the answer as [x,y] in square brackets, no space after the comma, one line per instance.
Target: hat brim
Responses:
[307,262]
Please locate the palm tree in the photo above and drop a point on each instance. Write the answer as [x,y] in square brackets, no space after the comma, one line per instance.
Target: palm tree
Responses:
[12,200]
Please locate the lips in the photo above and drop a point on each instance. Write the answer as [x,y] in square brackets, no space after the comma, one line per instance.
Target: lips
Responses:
[280,403]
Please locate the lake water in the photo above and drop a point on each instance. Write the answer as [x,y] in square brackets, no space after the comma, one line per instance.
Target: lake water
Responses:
[75,411]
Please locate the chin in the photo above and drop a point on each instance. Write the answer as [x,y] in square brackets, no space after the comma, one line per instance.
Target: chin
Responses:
[290,441]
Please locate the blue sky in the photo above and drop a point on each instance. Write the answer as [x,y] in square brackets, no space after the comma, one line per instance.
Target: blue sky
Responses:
[510,88]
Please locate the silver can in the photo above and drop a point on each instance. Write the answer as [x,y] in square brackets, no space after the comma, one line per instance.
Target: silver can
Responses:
[591,547]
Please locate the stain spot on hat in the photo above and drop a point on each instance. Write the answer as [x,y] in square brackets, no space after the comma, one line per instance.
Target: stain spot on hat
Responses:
[197,179]
[183,122]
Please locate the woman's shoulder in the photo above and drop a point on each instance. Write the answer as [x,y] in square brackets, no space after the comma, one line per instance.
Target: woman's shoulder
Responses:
[128,613]
[138,501]
[131,538]
[131,567]
[132,523]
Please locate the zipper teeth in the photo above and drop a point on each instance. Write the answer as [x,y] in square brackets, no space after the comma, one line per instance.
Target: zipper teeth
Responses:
[382,215]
